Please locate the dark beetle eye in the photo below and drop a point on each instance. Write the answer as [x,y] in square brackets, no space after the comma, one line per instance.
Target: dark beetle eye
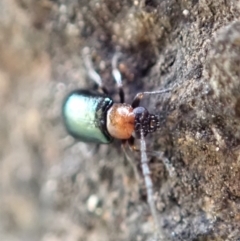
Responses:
[139,110]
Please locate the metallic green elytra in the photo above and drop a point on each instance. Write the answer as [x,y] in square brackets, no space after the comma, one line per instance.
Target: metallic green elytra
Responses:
[84,114]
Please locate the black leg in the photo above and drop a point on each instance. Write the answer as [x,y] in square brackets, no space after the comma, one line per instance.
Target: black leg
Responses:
[121,95]
[131,142]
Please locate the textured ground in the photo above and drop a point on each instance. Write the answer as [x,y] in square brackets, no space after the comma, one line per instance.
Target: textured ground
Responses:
[55,189]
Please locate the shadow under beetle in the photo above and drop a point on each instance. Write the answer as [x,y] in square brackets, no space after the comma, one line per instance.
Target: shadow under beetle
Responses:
[94,117]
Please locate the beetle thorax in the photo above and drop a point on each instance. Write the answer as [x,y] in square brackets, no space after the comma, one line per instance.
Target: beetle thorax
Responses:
[123,121]
[120,121]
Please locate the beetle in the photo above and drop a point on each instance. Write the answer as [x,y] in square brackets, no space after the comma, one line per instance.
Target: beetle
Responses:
[94,117]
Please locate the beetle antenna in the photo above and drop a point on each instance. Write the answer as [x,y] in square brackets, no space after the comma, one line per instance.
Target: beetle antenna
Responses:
[139,96]
[148,183]
[117,76]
